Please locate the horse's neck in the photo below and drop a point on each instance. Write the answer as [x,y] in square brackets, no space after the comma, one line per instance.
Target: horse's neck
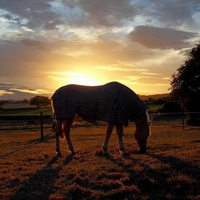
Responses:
[141,121]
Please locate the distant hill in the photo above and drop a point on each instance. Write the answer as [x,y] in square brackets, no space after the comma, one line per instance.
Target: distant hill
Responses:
[154,96]
[142,97]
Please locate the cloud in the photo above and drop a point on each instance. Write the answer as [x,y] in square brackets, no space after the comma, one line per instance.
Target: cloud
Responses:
[50,14]
[14,91]
[160,38]
[32,12]
[5,89]
[106,13]
[123,40]
[118,68]
[178,13]
[31,91]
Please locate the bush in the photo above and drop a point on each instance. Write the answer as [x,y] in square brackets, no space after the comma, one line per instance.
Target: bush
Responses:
[170,107]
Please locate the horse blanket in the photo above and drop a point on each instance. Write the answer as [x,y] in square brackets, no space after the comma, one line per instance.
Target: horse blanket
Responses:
[112,102]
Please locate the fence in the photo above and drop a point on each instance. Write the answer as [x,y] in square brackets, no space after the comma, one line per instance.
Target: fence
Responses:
[24,121]
[171,119]
[181,119]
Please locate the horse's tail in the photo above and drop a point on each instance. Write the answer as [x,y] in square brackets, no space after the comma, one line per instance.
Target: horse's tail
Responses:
[53,112]
[53,117]
[52,106]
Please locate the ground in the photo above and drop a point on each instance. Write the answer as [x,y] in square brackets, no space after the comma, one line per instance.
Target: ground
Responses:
[169,170]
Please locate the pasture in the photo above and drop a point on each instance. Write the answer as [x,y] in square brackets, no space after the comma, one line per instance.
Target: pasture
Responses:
[169,170]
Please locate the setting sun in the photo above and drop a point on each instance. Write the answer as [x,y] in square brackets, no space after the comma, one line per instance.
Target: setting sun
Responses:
[79,78]
[82,79]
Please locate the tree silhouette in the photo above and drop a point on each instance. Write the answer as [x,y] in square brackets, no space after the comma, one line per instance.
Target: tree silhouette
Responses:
[2,102]
[40,101]
[185,83]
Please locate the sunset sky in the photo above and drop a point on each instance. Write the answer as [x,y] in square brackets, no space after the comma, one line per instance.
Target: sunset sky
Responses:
[47,44]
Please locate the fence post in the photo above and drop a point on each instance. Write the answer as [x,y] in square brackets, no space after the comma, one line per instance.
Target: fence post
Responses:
[183,120]
[41,126]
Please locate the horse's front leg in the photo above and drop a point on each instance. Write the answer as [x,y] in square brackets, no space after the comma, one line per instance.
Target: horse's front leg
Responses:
[108,134]
[119,130]
[66,130]
[58,130]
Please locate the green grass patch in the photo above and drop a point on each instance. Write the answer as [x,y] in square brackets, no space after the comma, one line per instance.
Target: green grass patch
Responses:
[154,107]
[25,111]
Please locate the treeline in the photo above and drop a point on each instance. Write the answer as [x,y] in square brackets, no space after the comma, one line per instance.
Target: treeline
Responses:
[38,101]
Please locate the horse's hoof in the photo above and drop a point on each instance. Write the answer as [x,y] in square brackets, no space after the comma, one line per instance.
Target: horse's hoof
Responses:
[124,153]
[142,151]
[72,153]
[105,153]
[58,154]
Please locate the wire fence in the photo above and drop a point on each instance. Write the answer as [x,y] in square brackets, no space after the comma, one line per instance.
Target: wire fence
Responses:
[174,119]
[179,119]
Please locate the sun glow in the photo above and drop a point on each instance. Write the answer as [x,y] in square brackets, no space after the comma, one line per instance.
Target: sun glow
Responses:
[82,79]
[79,78]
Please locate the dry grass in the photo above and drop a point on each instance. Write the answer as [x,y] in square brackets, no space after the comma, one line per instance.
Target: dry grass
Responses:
[170,169]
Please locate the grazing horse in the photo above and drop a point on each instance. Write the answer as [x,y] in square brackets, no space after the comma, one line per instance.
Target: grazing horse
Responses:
[113,103]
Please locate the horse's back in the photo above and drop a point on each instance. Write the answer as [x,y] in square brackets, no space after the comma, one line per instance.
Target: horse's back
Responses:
[112,102]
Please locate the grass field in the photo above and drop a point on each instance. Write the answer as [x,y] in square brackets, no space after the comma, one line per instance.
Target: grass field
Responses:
[27,111]
[170,169]
[13,109]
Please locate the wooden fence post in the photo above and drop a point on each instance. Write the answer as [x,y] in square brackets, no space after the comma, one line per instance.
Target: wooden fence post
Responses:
[41,126]
[183,120]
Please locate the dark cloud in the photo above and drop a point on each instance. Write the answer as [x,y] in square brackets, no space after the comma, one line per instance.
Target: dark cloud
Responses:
[171,13]
[14,91]
[37,12]
[16,95]
[49,14]
[160,38]
[78,13]
[51,25]
[107,13]
[5,86]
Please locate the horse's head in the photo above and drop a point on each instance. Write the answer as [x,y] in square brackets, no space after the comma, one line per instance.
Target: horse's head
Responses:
[142,131]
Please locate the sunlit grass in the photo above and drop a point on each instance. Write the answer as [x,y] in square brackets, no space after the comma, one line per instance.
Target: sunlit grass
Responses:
[170,169]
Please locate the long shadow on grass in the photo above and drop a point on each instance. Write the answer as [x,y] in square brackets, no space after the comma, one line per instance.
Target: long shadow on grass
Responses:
[180,179]
[46,138]
[30,143]
[141,178]
[40,185]
[17,150]
[184,177]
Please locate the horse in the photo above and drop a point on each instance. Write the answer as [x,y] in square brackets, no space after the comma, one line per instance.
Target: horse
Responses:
[113,103]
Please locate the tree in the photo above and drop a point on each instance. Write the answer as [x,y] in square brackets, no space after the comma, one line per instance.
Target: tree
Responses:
[170,107]
[185,83]
[1,104]
[25,101]
[40,101]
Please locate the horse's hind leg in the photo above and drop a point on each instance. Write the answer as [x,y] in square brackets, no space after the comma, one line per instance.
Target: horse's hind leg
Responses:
[119,129]
[66,130]
[58,130]
[108,134]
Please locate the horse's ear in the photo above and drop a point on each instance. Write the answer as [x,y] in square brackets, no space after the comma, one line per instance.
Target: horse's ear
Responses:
[152,118]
